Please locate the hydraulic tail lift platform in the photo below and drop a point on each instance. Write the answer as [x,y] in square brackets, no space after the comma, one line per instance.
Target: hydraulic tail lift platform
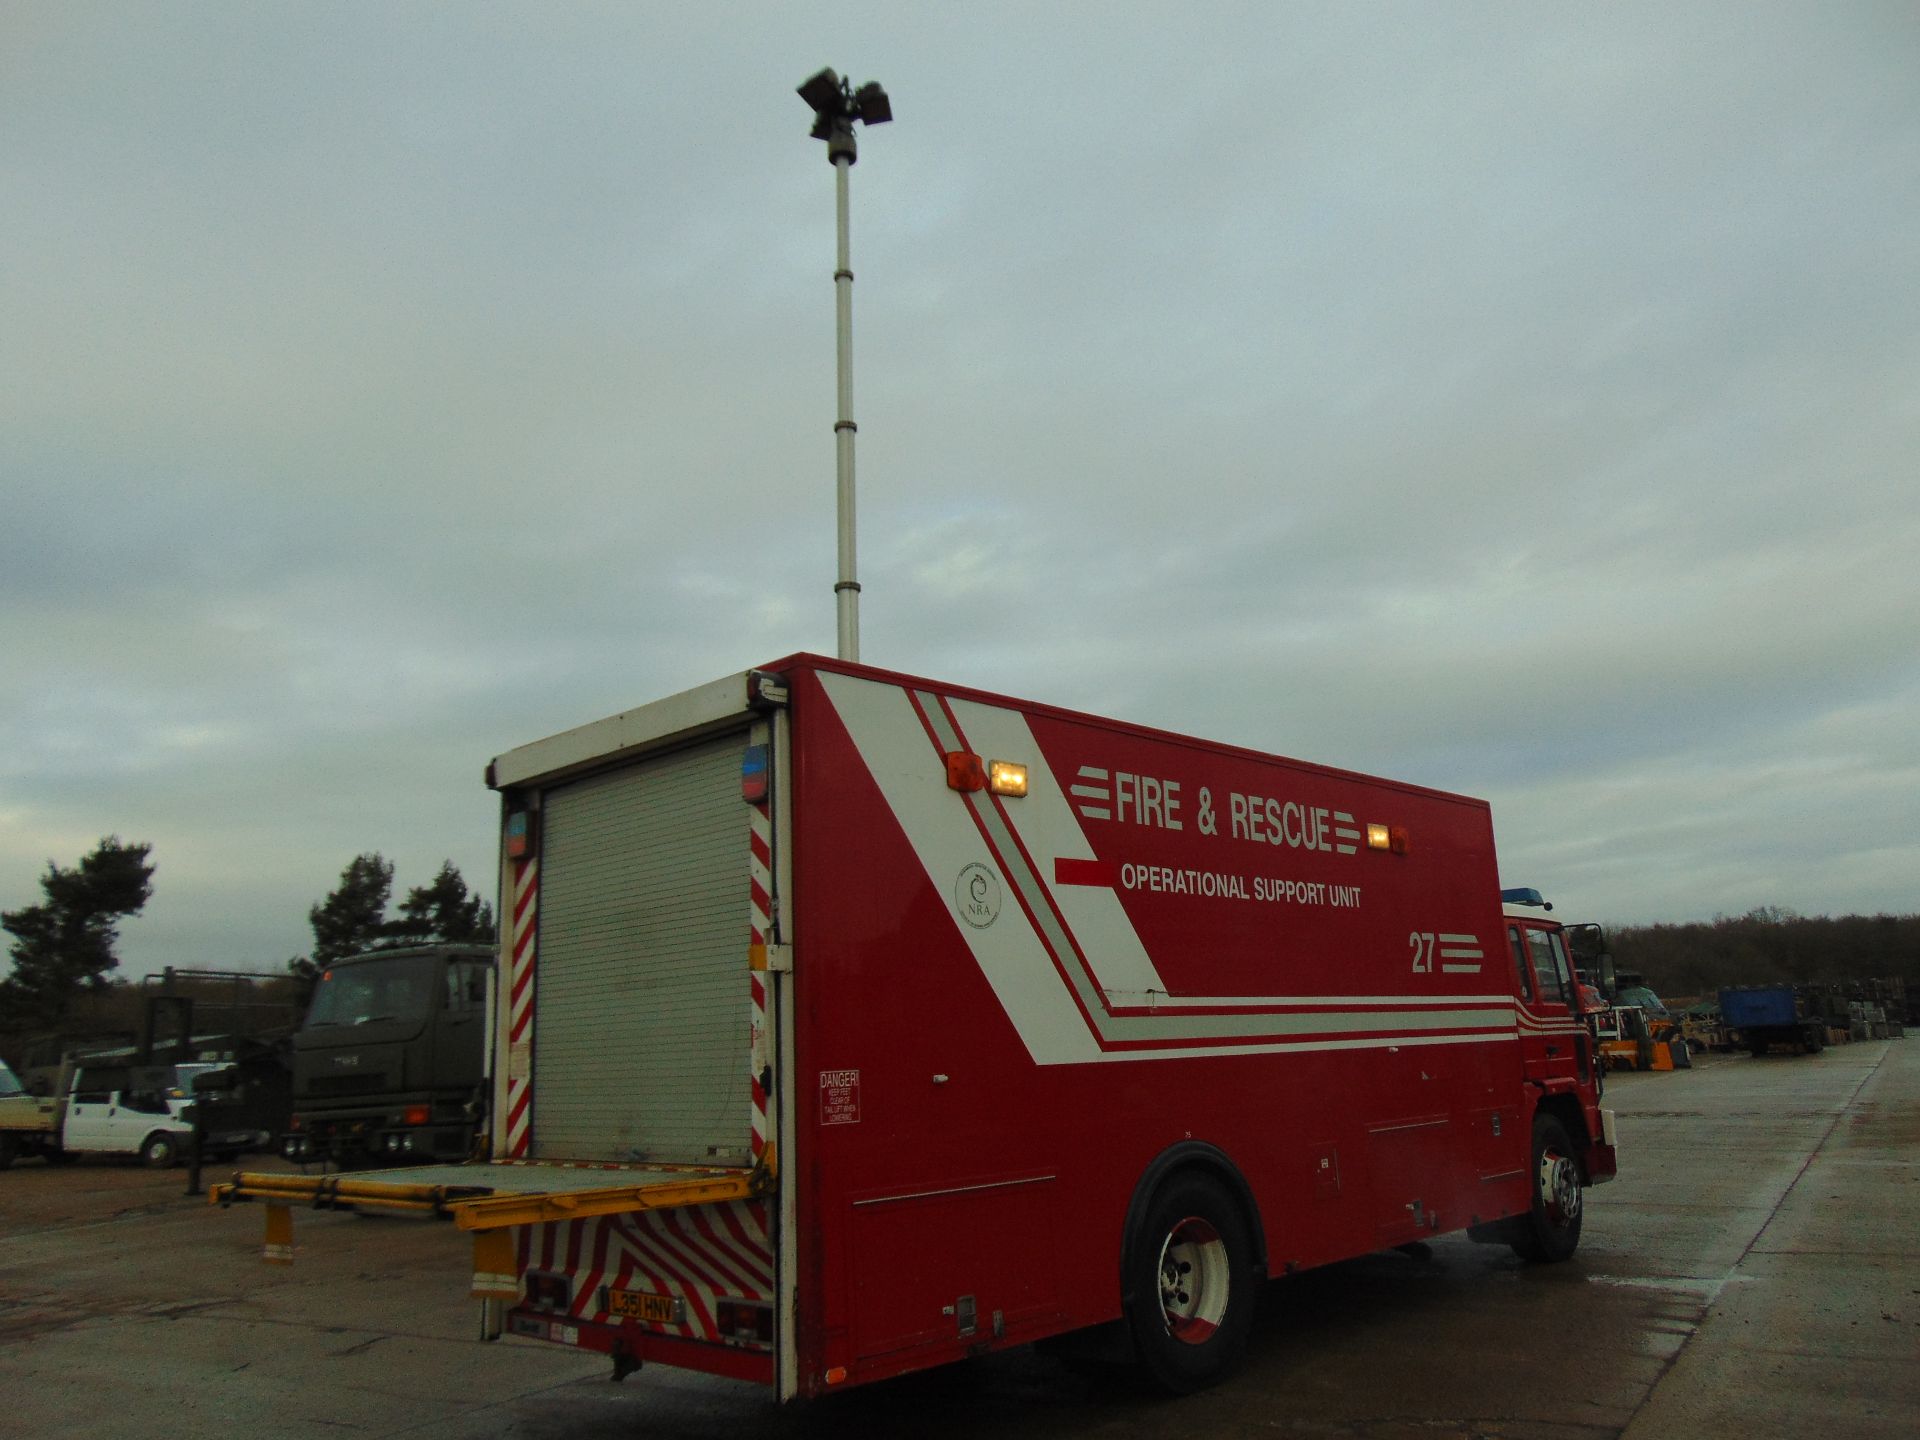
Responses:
[488,1198]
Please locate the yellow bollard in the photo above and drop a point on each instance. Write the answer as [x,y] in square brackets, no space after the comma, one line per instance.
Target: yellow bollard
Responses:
[279,1247]
[495,1274]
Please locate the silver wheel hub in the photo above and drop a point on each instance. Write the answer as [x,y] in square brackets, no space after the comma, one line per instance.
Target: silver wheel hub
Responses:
[1560,1187]
[1194,1280]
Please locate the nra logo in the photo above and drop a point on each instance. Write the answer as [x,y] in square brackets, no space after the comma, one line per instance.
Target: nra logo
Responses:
[976,896]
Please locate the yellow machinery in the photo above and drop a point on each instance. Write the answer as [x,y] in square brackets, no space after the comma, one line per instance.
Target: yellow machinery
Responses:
[1631,1039]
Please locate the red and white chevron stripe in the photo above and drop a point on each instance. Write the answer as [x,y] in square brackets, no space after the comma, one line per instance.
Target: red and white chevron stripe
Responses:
[760,927]
[520,966]
[700,1254]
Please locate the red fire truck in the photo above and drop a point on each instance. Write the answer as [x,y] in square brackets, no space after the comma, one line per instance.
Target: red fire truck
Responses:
[854,1023]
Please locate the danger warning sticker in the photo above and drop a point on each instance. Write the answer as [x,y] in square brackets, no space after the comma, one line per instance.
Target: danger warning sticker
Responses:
[839,1097]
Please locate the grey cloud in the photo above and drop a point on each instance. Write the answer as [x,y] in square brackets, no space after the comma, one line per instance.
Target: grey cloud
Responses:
[1507,401]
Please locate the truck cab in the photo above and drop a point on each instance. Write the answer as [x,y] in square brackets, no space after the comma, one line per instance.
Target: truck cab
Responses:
[389,1064]
[1557,1039]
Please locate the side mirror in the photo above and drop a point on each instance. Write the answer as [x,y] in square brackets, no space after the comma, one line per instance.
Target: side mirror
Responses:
[1587,946]
[1586,943]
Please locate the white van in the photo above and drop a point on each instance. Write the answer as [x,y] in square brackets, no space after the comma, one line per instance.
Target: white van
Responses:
[118,1110]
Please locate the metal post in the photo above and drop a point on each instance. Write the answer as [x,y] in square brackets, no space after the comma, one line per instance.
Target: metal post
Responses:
[836,105]
[846,590]
[196,1147]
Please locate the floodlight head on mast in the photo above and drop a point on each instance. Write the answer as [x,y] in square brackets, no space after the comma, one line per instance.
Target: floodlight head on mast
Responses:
[836,105]
[822,92]
[872,103]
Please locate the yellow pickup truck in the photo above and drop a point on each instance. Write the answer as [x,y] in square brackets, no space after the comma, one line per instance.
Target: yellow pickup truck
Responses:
[29,1124]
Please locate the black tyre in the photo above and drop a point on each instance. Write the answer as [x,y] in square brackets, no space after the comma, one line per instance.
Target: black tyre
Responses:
[1190,1283]
[7,1151]
[158,1151]
[1550,1230]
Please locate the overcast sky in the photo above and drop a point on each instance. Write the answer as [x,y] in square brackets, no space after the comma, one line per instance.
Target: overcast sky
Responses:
[1516,400]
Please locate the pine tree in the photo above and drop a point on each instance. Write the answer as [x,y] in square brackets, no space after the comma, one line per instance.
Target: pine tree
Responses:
[353,918]
[66,944]
[443,911]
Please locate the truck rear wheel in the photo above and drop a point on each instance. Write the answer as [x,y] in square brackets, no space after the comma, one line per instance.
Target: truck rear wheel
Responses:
[1550,1230]
[1189,1274]
[6,1151]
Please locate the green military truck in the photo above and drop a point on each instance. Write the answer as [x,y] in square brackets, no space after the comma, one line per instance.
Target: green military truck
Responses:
[390,1065]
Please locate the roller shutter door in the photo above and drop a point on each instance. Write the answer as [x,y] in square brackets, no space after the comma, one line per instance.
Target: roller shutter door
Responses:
[641,1003]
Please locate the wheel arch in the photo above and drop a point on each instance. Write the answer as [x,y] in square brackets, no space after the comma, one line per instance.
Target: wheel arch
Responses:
[1564,1106]
[1198,1157]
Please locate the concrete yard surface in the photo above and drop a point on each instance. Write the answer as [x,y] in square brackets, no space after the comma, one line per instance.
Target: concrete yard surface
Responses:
[1753,1272]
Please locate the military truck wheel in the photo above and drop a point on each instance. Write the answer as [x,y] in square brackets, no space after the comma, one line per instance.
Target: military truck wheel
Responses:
[7,1151]
[1550,1230]
[1189,1276]
[158,1151]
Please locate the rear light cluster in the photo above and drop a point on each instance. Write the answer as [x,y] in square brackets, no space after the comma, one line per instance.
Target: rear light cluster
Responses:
[546,1291]
[744,1320]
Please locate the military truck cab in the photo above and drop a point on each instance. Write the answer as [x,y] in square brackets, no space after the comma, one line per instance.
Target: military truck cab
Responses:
[389,1064]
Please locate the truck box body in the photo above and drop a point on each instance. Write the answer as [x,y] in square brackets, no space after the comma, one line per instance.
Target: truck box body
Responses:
[1758,1005]
[825,1055]
[1769,1015]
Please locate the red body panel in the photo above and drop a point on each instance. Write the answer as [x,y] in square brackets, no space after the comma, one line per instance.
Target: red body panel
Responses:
[1009,1180]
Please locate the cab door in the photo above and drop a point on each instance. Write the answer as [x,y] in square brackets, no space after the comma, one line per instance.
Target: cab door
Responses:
[460,1026]
[92,1103]
[132,1115]
[1553,1038]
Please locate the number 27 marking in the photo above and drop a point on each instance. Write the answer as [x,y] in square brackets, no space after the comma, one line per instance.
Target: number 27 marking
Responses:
[1422,942]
